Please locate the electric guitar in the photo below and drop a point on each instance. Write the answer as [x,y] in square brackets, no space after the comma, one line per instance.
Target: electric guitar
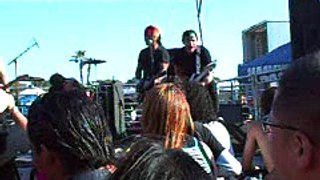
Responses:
[5,98]
[148,84]
[206,70]
[211,87]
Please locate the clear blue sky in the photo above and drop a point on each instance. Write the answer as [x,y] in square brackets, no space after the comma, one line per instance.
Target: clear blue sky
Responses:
[112,30]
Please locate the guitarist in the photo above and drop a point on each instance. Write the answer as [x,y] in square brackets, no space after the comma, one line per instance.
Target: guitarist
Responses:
[191,60]
[153,61]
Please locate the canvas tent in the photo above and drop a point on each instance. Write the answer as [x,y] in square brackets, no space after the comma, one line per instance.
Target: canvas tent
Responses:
[275,59]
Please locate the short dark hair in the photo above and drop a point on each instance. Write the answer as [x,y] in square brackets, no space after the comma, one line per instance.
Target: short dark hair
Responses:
[298,94]
[266,100]
[56,81]
[188,33]
[203,107]
[73,126]
[147,159]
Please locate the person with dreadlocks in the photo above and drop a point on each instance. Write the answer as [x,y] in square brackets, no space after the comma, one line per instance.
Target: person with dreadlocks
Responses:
[70,136]
[153,61]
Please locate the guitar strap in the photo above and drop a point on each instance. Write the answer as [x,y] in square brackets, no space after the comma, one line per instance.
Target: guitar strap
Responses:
[152,69]
[198,60]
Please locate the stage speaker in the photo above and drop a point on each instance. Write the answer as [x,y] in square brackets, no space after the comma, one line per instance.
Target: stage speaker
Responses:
[231,112]
[110,96]
[304,26]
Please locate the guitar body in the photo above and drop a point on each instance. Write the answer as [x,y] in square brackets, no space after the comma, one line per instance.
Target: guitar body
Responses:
[206,70]
[195,81]
[146,85]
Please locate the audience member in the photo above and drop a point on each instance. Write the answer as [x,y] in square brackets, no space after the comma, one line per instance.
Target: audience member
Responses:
[7,101]
[256,137]
[147,159]
[293,126]
[59,83]
[166,113]
[203,111]
[70,137]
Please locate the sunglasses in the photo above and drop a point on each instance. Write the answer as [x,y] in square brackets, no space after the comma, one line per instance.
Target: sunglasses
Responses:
[267,124]
[266,127]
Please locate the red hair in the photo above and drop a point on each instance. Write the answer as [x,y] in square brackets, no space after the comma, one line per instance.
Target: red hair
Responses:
[150,31]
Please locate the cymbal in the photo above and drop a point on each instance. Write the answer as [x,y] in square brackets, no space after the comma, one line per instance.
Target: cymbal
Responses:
[93,61]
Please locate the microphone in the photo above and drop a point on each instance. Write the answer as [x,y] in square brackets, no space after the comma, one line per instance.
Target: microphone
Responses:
[149,42]
[36,43]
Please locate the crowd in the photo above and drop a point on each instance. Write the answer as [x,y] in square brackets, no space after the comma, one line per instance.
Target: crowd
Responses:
[181,136]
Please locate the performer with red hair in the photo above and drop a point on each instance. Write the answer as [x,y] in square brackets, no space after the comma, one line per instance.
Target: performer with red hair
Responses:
[153,61]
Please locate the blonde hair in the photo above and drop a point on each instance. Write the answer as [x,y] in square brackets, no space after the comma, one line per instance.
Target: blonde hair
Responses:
[166,112]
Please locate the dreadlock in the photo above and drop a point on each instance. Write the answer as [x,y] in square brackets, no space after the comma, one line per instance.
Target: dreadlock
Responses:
[73,126]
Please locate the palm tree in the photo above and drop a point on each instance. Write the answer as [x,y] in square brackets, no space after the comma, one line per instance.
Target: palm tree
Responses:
[79,57]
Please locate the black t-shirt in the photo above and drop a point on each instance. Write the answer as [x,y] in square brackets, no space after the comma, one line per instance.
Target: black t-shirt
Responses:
[203,134]
[147,69]
[187,62]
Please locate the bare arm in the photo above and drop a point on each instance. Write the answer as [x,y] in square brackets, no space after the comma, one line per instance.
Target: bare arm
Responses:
[249,149]
[19,118]
[7,102]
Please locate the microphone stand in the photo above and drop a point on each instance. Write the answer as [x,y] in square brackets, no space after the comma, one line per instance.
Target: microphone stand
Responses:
[199,5]
[15,60]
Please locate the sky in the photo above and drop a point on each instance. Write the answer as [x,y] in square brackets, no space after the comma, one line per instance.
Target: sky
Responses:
[112,30]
